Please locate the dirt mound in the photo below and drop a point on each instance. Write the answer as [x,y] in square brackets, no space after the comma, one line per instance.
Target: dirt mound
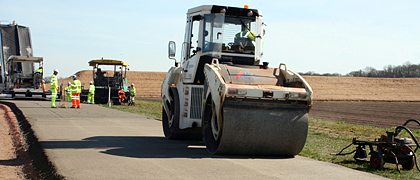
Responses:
[148,85]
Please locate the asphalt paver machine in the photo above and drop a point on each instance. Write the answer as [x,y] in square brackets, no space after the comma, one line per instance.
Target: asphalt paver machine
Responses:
[110,85]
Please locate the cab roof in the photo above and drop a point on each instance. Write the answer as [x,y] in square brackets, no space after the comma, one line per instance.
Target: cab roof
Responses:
[233,11]
[25,59]
[94,63]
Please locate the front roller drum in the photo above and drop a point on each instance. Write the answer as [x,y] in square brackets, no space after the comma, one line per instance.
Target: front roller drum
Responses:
[256,127]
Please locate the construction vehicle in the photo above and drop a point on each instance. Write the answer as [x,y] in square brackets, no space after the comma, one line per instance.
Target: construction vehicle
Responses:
[222,91]
[109,86]
[19,79]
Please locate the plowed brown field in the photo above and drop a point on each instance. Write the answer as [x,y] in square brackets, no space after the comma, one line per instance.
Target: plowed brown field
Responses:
[364,89]
[381,102]
[378,114]
[325,88]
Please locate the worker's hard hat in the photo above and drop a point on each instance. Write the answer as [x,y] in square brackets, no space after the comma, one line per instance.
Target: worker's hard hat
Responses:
[69,83]
[55,70]
[132,84]
[90,82]
[74,76]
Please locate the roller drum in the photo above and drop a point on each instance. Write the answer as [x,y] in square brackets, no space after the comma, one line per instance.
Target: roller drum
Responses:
[260,127]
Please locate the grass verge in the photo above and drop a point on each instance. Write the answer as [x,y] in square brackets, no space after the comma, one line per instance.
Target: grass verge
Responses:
[147,108]
[324,137]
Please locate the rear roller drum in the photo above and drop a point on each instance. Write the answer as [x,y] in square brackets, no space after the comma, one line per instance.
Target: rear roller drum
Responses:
[255,128]
[170,123]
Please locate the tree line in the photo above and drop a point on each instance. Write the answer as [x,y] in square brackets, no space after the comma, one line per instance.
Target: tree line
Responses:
[406,70]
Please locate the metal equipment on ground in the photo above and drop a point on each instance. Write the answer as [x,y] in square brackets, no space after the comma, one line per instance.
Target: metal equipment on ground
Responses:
[63,98]
[19,79]
[389,149]
[222,92]
[106,82]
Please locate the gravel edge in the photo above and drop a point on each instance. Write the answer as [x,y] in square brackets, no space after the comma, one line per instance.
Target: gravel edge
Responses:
[26,144]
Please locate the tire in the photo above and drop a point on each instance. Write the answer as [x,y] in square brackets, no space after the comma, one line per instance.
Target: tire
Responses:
[409,164]
[212,134]
[116,101]
[377,160]
[171,124]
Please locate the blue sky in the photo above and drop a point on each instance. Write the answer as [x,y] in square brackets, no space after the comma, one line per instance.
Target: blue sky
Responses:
[319,35]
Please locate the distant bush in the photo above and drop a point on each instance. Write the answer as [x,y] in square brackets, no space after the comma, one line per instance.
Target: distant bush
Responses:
[406,70]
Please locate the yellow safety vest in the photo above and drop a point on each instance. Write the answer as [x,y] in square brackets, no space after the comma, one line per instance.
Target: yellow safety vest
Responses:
[54,80]
[92,89]
[67,89]
[133,91]
[76,86]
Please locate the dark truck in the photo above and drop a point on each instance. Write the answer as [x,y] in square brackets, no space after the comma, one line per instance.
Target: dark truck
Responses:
[18,77]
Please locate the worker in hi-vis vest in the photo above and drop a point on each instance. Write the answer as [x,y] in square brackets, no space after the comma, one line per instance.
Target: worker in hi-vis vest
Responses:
[39,70]
[75,93]
[91,95]
[246,34]
[54,88]
[132,92]
[249,34]
[68,92]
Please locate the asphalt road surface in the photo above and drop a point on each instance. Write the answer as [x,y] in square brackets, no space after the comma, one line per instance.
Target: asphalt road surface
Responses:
[100,143]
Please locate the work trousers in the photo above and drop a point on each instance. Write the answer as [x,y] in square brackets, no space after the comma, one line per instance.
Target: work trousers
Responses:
[53,96]
[91,98]
[68,97]
[75,99]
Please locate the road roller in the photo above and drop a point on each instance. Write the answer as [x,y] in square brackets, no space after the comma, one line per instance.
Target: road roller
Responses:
[222,91]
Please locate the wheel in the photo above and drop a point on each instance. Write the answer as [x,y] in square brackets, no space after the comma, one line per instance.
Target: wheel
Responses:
[104,101]
[116,101]
[170,123]
[377,160]
[212,130]
[409,164]
[215,130]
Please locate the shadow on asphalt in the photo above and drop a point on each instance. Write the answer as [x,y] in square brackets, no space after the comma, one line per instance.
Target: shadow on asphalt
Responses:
[11,162]
[146,147]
